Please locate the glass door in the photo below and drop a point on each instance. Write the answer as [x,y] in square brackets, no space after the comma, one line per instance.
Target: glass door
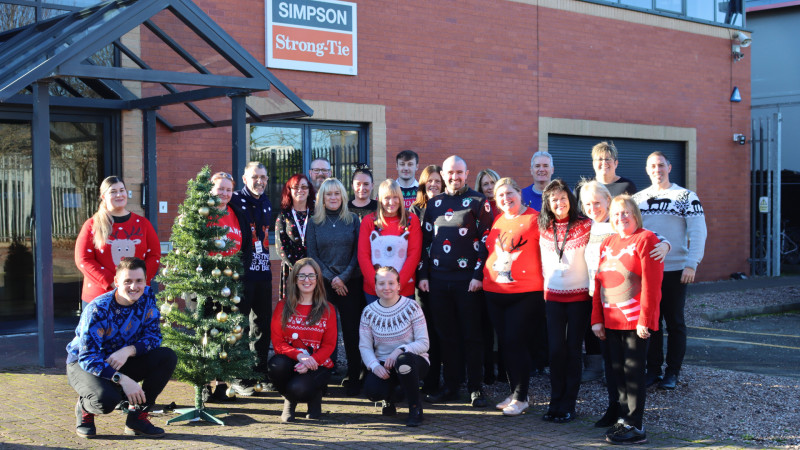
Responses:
[77,167]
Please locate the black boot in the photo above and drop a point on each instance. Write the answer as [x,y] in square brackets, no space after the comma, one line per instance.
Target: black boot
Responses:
[288,411]
[315,407]
[84,422]
[414,416]
[138,423]
[610,417]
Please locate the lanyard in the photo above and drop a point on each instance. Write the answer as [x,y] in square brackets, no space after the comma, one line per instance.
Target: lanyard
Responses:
[555,238]
[302,230]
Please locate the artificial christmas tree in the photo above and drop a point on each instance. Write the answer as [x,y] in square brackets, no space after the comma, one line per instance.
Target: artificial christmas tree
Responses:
[207,333]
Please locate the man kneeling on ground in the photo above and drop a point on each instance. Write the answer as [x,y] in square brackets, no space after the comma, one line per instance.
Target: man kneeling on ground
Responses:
[118,344]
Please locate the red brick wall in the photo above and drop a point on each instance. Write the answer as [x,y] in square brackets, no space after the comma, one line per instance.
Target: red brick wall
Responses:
[472,77]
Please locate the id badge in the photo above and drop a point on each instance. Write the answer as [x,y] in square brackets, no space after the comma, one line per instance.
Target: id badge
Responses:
[259,247]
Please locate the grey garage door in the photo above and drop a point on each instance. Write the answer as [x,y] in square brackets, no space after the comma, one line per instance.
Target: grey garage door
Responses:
[572,158]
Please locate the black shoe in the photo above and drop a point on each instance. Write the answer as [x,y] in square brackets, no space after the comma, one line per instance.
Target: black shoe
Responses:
[669,382]
[549,416]
[563,417]
[610,417]
[628,435]
[651,379]
[138,424]
[84,422]
[220,395]
[614,428]
[443,396]
[477,399]
[414,416]
[388,409]
[288,411]
[315,407]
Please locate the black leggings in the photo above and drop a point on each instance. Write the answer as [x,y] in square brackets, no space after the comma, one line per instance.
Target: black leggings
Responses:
[431,380]
[566,325]
[628,353]
[101,395]
[349,308]
[297,387]
[513,318]
[407,371]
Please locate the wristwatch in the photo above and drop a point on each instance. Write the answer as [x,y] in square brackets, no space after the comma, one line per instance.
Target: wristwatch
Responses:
[115,378]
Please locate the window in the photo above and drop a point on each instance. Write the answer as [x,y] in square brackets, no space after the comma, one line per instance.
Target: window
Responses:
[18,13]
[702,10]
[287,148]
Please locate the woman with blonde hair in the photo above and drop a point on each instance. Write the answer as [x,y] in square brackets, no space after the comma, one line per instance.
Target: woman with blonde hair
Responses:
[333,244]
[485,184]
[304,336]
[390,236]
[110,234]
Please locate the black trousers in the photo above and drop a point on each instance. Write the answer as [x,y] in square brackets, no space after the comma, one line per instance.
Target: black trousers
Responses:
[457,317]
[101,396]
[566,325]
[513,319]
[627,352]
[673,300]
[349,308]
[257,306]
[430,381]
[407,371]
[591,342]
[297,387]
[487,328]
[611,379]
[537,345]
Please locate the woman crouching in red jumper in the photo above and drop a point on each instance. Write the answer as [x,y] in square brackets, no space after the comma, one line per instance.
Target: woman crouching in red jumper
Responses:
[625,309]
[304,337]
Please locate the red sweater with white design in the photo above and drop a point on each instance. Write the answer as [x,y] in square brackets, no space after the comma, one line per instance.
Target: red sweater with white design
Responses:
[514,264]
[566,277]
[628,283]
[133,237]
[394,246]
[318,340]
[234,232]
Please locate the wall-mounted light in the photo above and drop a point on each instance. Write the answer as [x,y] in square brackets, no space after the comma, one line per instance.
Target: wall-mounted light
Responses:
[739,40]
[736,96]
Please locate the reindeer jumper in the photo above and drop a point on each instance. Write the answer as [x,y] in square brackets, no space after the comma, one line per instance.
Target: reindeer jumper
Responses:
[394,246]
[514,264]
[628,283]
[131,235]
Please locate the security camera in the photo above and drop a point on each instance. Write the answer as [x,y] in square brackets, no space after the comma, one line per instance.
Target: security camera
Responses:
[744,40]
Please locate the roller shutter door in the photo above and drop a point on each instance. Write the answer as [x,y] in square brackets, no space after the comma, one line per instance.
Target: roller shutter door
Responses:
[572,158]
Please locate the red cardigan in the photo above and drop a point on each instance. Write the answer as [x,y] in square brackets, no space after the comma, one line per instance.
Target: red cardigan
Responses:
[134,237]
[379,249]
[514,264]
[296,338]
[628,283]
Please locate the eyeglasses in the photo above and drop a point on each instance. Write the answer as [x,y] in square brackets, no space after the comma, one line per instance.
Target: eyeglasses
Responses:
[306,276]
[320,171]
[302,187]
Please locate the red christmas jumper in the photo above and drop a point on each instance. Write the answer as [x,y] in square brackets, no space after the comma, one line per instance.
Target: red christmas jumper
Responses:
[514,264]
[134,237]
[628,283]
[380,249]
[234,232]
[318,340]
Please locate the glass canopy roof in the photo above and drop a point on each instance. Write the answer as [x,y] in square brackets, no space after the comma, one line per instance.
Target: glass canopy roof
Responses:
[142,54]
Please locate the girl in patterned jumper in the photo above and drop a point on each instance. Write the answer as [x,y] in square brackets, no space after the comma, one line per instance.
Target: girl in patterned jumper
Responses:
[564,235]
[297,199]
[110,234]
[304,337]
[394,346]
[626,307]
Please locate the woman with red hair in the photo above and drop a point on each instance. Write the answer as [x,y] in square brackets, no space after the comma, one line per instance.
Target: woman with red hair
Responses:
[297,199]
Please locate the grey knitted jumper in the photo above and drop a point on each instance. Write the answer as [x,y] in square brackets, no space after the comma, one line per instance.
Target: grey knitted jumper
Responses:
[333,245]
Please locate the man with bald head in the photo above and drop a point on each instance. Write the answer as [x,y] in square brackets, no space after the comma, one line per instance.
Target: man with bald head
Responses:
[454,231]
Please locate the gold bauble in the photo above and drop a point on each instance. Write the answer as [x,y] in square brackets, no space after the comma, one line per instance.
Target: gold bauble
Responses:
[199,269]
[203,211]
[234,308]
[219,243]
[216,273]
[211,202]
[228,272]
[223,355]
[230,392]
[238,336]
[231,339]
[214,332]
[170,299]
[222,317]
[235,275]
[258,387]
[236,299]
[237,329]
[165,309]
[226,291]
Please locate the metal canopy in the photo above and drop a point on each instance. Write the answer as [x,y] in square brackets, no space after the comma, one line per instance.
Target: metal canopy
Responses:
[142,54]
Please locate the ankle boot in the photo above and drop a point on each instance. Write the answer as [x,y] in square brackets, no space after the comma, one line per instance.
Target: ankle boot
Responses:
[138,423]
[84,422]
[288,411]
[592,368]
[414,415]
[315,407]
[610,417]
